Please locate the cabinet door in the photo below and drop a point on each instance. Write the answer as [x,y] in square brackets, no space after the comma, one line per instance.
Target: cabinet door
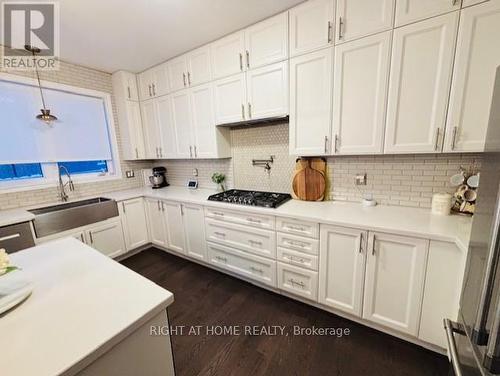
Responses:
[421,67]
[167,148]
[361,74]
[174,226]
[199,66]
[145,89]
[267,90]
[311,26]
[408,11]
[127,85]
[151,128]
[342,268]
[194,227]
[204,131]
[227,55]
[311,103]
[134,221]
[267,41]
[135,133]
[160,81]
[394,283]
[155,215]
[182,120]
[476,63]
[230,99]
[359,18]
[107,238]
[177,73]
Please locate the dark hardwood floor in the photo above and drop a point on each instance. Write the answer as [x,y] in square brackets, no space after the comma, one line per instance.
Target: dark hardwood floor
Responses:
[209,298]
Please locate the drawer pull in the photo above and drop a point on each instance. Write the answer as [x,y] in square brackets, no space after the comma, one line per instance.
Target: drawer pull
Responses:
[296,228]
[296,244]
[294,282]
[300,260]
[218,214]
[9,237]
[220,258]
[256,270]
[221,234]
[255,242]
[254,220]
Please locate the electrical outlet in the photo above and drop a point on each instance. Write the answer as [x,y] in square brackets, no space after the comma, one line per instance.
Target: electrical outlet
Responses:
[360,179]
[130,174]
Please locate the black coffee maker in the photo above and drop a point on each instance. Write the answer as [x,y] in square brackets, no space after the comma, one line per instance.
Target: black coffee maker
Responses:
[159,178]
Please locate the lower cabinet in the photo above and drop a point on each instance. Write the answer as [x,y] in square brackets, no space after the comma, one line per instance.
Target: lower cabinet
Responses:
[394,284]
[342,268]
[298,281]
[155,212]
[175,226]
[107,238]
[135,224]
[194,228]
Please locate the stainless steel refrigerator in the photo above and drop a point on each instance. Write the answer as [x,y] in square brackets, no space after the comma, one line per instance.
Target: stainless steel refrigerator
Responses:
[474,341]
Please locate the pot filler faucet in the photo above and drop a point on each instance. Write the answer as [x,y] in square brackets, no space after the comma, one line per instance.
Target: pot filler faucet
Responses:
[62,193]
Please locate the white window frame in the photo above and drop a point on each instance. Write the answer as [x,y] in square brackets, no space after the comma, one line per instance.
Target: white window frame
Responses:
[50,174]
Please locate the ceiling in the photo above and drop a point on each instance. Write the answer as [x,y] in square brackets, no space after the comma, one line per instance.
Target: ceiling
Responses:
[136,34]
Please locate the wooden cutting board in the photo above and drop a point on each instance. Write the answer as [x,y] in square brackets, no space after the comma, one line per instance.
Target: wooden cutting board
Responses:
[309,179]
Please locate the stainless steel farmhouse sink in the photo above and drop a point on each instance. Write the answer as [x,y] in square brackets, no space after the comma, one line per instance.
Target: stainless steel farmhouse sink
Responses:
[57,218]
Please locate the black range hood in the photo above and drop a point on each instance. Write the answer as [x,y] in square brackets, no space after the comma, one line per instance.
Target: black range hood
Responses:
[257,122]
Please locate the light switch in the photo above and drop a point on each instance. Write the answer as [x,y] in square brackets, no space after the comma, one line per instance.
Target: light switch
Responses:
[360,179]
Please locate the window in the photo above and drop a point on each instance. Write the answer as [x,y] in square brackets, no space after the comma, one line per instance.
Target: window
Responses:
[20,171]
[85,167]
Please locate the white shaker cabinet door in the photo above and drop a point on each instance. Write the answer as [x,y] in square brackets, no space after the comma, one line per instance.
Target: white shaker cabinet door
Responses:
[135,148]
[408,11]
[421,68]
[359,18]
[476,63]
[311,103]
[204,131]
[342,268]
[199,66]
[177,73]
[166,127]
[174,226]
[230,99]
[182,120]
[194,227]
[134,220]
[394,282]
[311,26]
[157,231]
[227,55]
[151,129]
[107,238]
[361,73]
[144,81]
[267,89]
[267,41]
[160,80]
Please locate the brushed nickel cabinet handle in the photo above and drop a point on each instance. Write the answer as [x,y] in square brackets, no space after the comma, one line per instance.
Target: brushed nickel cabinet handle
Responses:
[219,214]
[248,59]
[241,62]
[91,237]
[184,79]
[162,206]
[136,153]
[161,152]
[361,243]
[10,237]
[153,86]
[190,151]
[243,111]
[373,245]
[158,203]
[249,110]
[81,238]
[123,207]
[326,144]
[252,242]
[454,138]
[329,32]
[436,146]
[221,234]
[256,270]
[182,209]
[221,258]
[150,92]
[189,78]
[336,142]
[195,151]
[128,91]
[341,24]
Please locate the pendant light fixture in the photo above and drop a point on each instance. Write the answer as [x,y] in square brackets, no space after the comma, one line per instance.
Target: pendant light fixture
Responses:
[45,115]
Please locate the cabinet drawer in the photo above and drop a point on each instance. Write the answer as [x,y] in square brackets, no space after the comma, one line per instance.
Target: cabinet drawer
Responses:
[253,240]
[16,237]
[298,243]
[298,281]
[293,226]
[300,259]
[242,263]
[255,220]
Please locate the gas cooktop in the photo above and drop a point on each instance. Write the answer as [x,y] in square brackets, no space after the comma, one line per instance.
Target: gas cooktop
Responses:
[251,198]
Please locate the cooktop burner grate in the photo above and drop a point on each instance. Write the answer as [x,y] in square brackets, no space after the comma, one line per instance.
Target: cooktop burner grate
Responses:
[252,198]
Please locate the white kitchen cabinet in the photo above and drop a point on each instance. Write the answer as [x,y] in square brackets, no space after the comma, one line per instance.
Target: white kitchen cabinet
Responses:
[174,226]
[131,131]
[342,268]
[134,221]
[107,238]
[156,223]
[199,66]
[359,18]
[230,99]
[182,120]
[476,62]
[361,74]
[267,42]
[227,55]
[311,26]
[153,82]
[394,282]
[165,126]
[194,229]
[311,103]
[267,91]
[177,73]
[421,68]
[408,11]
[152,135]
[125,85]
[298,281]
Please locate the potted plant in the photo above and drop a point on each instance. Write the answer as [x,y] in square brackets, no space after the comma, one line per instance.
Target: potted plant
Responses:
[219,179]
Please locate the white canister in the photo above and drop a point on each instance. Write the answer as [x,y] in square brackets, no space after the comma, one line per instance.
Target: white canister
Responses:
[441,204]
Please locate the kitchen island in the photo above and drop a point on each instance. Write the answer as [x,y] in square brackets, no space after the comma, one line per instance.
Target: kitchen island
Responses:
[87,315]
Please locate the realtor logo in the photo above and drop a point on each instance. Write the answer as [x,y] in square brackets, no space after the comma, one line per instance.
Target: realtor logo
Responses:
[33,24]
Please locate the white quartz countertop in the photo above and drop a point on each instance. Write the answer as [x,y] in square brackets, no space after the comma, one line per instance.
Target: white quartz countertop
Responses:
[82,304]
[9,217]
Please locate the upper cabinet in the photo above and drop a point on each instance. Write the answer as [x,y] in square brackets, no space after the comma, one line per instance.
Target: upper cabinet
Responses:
[476,62]
[359,18]
[177,73]
[154,82]
[267,42]
[311,103]
[361,73]
[408,11]
[125,85]
[311,26]
[421,68]
[227,55]
[199,66]
[230,99]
